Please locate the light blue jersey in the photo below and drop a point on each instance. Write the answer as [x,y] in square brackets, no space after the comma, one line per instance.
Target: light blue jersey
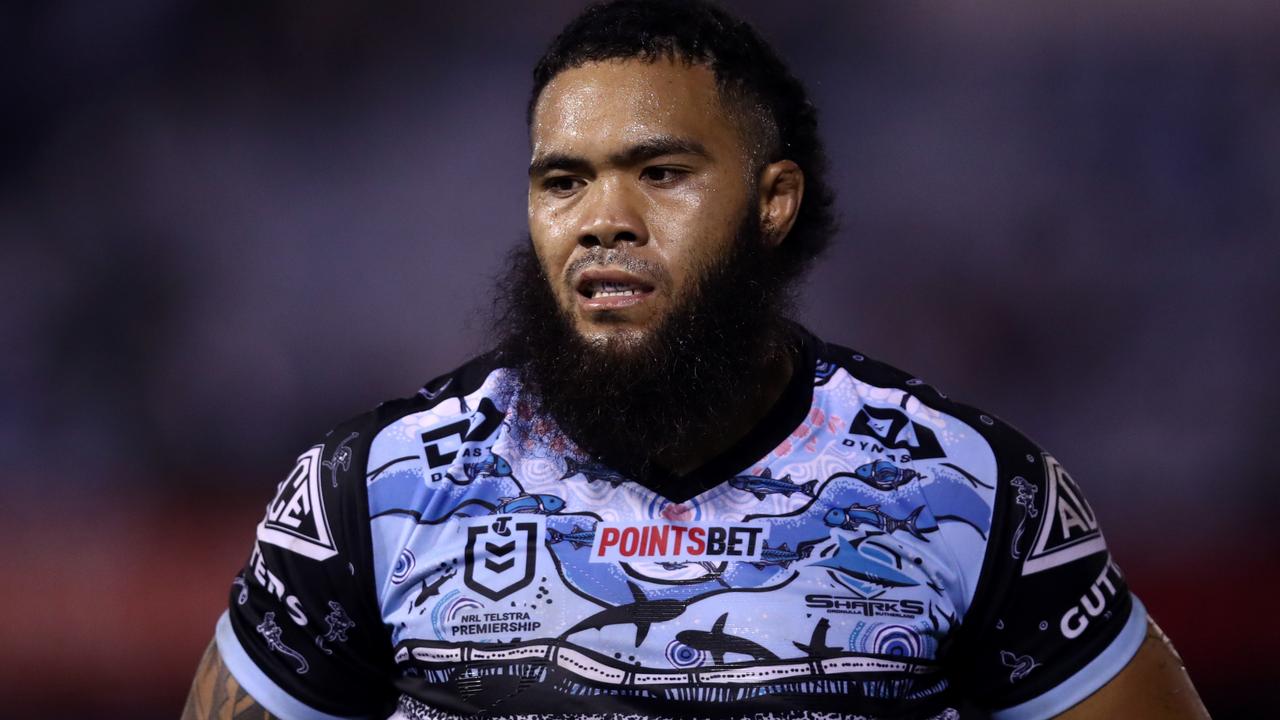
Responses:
[882,552]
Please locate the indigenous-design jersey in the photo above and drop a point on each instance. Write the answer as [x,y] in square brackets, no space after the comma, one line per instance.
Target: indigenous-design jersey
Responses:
[871,550]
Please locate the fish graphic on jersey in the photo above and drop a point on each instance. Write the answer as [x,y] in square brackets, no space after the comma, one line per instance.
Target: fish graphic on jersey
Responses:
[855,516]
[592,471]
[884,475]
[492,466]
[714,571]
[578,537]
[766,484]
[529,503]
[782,555]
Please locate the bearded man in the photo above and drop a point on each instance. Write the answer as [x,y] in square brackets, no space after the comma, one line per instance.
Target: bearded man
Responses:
[658,497]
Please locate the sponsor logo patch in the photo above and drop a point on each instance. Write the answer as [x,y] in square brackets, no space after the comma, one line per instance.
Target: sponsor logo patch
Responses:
[440,445]
[1068,528]
[678,541]
[295,517]
[1093,603]
[895,430]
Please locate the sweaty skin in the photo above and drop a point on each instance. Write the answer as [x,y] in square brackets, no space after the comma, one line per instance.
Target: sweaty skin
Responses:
[638,158]
[639,179]
[1154,685]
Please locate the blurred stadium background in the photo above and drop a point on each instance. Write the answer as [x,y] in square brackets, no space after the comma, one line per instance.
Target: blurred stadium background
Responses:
[226,226]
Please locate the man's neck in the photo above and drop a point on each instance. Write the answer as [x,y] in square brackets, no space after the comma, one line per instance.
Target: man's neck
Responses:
[739,419]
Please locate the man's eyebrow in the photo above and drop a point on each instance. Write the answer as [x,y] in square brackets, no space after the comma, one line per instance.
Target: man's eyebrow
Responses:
[651,148]
[543,164]
[638,153]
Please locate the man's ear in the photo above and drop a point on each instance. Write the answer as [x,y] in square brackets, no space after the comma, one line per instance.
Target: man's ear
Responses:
[781,190]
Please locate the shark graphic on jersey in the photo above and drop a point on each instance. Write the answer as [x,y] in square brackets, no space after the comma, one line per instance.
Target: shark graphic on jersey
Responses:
[858,567]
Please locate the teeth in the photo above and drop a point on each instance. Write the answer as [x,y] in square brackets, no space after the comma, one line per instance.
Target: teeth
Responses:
[613,289]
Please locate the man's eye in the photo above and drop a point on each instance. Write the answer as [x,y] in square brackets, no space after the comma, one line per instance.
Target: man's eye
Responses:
[561,184]
[662,175]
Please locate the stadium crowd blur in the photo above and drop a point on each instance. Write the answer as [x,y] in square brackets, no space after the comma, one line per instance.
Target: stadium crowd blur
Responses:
[224,227]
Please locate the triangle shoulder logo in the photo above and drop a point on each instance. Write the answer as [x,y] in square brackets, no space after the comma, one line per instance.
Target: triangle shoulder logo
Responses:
[1068,528]
[295,517]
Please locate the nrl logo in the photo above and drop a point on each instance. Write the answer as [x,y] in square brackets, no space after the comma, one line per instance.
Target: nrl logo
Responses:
[501,555]
[295,517]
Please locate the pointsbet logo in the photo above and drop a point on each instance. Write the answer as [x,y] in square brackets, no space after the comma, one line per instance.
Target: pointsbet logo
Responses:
[665,541]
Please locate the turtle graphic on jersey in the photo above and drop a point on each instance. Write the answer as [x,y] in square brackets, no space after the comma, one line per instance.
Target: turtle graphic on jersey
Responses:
[766,484]
[718,643]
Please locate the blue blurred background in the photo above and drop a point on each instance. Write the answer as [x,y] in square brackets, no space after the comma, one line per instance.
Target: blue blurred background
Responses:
[226,226]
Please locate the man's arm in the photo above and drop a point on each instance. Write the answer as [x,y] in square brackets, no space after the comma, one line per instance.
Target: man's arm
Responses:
[215,694]
[1153,685]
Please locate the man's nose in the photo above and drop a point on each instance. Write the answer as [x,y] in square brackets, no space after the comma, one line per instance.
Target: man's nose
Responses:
[612,216]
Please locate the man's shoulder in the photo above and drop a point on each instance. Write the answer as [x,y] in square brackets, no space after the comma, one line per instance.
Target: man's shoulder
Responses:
[450,392]
[879,383]
[873,372]
[430,425]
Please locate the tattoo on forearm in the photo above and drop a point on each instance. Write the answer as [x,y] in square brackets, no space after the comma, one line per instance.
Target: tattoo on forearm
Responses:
[215,694]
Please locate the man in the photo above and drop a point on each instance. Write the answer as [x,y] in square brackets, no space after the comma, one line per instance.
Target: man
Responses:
[660,498]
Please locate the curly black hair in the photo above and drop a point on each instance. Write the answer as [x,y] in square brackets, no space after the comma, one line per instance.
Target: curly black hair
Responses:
[773,106]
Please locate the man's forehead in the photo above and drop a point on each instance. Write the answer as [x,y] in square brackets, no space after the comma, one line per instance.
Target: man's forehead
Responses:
[625,102]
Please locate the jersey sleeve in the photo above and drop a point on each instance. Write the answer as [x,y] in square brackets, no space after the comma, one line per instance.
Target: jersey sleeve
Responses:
[303,634]
[1052,618]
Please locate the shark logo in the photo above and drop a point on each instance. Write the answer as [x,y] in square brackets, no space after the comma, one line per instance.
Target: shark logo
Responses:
[868,565]
[1068,528]
[895,430]
[295,517]
[501,555]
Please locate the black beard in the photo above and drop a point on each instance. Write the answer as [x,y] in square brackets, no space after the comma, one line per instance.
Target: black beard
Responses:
[629,402]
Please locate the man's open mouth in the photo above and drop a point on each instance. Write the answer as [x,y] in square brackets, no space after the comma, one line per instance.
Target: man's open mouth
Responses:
[603,288]
[599,289]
